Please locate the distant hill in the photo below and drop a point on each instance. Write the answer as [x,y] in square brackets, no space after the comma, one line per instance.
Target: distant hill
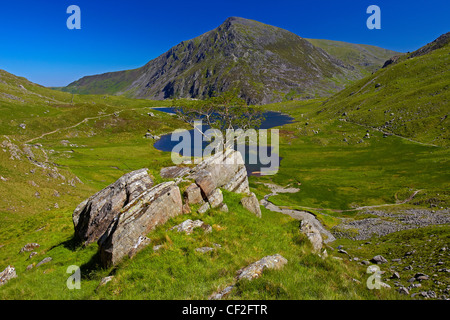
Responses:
[266,63]
[409,97]
[18,90]
[365,57]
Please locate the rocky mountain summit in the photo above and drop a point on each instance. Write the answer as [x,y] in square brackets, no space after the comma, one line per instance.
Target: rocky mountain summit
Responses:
[266,63]
[120,216]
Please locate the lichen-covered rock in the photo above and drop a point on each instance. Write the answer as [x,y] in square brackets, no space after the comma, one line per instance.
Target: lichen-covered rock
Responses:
[251,203]
[206,182]
[312,234]
[104,281]
[126,233]
[239,182]
[93,216]
[29,247]
[216,198]
[219,295]
[251,272]
[44,261]
[174,172]
[193,194]
[205,207]
[7,274]
[204,249]
[189,225]
[256,269]
[378,259]
[227,169]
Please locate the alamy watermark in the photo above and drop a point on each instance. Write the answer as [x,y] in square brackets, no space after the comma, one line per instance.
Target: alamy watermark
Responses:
[374,21]
[74,20]
[374,281]
[74,281]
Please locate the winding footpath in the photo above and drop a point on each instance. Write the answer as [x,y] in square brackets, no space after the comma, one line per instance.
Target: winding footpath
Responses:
[296,214]
[73,126]
[310,217]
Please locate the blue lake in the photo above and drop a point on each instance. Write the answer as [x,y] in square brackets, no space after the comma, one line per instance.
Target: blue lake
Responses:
[272,119]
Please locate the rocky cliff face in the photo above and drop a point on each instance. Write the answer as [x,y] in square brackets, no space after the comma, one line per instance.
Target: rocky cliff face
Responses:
[121,215]
[264,62]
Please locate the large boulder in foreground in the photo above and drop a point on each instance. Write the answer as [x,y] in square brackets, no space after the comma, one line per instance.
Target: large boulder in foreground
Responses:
[93,216]
[225,169]
[127,232]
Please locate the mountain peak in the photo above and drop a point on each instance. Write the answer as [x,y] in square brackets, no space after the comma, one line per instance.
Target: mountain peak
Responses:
[232,22]
[266,63]
[238,20]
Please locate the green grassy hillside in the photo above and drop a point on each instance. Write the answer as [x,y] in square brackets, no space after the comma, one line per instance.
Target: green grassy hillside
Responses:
[409,98]
[364,57]
[41,190]
[58,149]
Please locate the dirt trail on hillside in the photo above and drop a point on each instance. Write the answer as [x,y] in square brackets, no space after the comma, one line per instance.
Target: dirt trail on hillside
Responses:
[311,218]
[296,214]
[73,126]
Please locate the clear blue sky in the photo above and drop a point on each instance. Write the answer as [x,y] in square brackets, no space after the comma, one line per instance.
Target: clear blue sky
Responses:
[116,35]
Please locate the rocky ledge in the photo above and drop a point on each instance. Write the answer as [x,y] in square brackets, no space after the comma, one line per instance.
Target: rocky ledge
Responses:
[120,216]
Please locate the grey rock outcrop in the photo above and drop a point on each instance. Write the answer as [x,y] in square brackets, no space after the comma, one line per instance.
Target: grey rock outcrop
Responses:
[7,274]
[189,225]
[126,233]
[173,172]
[193,194]
[225,170]
[378,259]
[121,215]
[205,207]
[205,181]
[222,170]
[312,234]
[239,182]
[204,249]
[93,216]
[251,203]
[251,272]
[255,269]
[215,199]
[44,261]
[219,295]
[29,247]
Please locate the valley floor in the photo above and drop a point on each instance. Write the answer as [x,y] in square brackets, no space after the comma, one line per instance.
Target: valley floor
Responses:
[358,191]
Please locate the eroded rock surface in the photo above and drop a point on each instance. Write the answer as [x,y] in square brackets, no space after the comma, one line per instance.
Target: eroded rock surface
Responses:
[251,272]
[312,234]
[7,274]
[126,233]
[93,216]
[255,269]
[189,225]
[251,203]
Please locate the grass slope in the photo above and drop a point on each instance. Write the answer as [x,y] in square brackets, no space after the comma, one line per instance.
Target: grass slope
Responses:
[337,169]
[366,58]
[101,149]
[409,98]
